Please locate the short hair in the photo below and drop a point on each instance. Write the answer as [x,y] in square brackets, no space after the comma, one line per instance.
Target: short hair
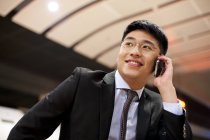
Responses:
[150,28]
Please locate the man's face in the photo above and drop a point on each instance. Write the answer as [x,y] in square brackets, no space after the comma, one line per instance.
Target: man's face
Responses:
[137,55]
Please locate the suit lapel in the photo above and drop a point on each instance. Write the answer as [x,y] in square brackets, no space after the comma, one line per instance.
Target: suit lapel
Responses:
[144,112]
[107,96]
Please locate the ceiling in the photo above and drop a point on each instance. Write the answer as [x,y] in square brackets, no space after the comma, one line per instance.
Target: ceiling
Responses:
[42,41]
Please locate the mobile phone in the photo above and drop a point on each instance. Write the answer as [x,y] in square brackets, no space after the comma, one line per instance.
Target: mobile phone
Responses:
[159,68]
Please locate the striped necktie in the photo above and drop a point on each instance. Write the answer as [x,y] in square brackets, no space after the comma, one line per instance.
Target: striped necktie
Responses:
[123,124]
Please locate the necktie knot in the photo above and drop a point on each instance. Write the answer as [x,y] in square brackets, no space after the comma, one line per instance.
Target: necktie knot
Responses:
[131,94]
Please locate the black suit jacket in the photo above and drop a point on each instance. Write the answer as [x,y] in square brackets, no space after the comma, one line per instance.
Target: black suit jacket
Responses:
[84,103]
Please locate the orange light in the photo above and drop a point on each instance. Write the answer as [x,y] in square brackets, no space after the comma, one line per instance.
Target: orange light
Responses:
[182,103]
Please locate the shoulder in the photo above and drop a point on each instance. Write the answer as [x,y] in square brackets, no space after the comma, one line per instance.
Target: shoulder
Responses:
[86,73]
[153,97]
[87,70]
[155,103]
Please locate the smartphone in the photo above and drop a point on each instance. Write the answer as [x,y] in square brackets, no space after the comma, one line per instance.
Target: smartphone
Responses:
[159,68]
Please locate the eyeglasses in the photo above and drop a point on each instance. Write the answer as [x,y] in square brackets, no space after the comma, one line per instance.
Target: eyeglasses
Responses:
[145,46]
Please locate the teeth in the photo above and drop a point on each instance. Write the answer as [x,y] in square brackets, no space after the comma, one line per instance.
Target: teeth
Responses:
[133,62]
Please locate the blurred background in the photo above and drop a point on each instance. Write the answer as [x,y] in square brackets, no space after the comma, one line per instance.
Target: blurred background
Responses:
[42,41]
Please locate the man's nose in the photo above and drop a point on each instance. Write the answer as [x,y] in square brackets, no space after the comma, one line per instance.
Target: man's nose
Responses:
[136,51]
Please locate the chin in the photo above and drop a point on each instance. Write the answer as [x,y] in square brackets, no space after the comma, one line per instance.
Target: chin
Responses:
[133,74]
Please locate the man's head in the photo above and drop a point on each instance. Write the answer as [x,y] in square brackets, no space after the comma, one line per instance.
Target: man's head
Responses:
[150,28]
[142,43]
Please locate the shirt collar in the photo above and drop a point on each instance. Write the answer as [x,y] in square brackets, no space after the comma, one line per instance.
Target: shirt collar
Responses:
[121,84]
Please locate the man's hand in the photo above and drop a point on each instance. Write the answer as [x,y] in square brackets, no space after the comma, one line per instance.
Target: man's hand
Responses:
[164,82]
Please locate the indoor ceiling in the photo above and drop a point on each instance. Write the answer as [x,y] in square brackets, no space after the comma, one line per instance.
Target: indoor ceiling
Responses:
[42,41]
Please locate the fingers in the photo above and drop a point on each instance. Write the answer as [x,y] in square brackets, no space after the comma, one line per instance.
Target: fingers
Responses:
[164,83]
[167,60]
[168,66]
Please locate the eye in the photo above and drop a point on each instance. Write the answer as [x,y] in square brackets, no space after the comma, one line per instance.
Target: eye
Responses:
[147,47]
[129,44]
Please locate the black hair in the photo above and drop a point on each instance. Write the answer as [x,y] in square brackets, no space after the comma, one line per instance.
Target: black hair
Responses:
[150,28]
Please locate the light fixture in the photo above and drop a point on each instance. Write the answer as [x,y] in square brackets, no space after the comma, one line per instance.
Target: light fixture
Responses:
[53,6]
[182,103]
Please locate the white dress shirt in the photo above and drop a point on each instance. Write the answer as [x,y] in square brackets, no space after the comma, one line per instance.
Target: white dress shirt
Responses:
[120,98]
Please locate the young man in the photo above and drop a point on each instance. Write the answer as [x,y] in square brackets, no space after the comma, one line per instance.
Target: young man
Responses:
[91,105]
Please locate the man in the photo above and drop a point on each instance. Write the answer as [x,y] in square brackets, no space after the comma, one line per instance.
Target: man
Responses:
[90,105]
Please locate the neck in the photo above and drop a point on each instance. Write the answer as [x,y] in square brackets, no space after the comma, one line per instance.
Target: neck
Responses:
[135,84]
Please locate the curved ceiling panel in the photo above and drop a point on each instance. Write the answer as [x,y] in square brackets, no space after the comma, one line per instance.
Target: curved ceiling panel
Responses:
[8,5]
[101,41]
[190,63]
[175,50]
[168,15]
[87,21]
[82,23]
[187,29]
[109,58]
[128,8]
[37,17]
[201,5]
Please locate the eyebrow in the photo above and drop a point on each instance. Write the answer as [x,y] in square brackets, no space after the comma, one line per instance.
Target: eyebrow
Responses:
[146,41]
[130,38]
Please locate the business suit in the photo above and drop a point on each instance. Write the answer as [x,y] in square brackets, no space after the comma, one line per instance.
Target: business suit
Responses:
[84,103]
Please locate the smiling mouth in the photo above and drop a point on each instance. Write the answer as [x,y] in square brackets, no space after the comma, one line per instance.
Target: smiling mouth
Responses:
[134,63]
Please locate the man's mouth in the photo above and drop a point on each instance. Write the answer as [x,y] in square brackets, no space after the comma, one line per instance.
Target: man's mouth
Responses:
[134,63]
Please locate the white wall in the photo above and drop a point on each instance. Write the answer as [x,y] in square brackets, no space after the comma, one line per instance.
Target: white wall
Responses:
[9,117]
